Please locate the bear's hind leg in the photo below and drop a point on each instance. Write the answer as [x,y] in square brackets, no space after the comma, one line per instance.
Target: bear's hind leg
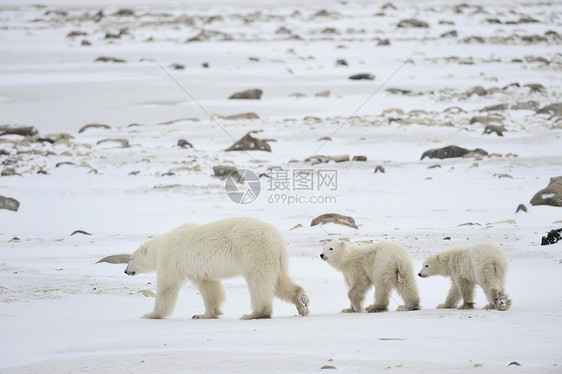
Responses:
[466,289]
[261,286]
[408,291]
[212,292]
[288,290]
[166,297]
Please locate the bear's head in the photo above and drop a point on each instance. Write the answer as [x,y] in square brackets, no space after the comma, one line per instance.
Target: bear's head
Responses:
[333,250]
[143,260]
[430,267]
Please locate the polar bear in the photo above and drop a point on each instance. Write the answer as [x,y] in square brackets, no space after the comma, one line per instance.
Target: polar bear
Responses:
[385,265]
[483,264]
[207,253]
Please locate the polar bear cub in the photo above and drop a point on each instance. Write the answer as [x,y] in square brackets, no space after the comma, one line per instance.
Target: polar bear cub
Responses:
[385,265]
[482,264]
[207,253]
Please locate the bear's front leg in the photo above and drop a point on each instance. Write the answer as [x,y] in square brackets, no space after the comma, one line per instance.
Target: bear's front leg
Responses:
[166,297]
[452,299]
[356,295]
[212,292]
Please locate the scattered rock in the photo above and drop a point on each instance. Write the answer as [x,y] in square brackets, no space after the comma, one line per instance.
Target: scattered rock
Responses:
[325,159]
[9,203]
[478,90]
[474,39]
[398,91]
[9,172]
[526,105]
[535,87]
[147,293]
[502,176]
[552,237]
[205,65]
[80,232]
[297,226]
[411,22]
[177,66]
[73,34]
[359,158]
[63,163]
[494,128]
[249,143]
[93,126]
[362,76]
[551,195]
[514,363]
[124,142]
[451,151]
[109,59]
[379,169]
[205,35]
[18,130]
[325,93]
[249,115]
[116,259]
[334,218]
[184,144]
[253,94]
[125,13]
[325,139]
[328,367]
[521,207]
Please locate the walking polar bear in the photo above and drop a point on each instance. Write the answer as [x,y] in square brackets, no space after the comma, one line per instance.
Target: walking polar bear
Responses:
[207,253]
[482,264]
[385,265]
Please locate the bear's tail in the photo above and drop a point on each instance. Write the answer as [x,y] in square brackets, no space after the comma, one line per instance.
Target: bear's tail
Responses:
[287,290]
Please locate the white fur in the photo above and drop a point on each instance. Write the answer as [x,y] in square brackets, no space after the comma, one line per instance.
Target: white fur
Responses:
[385,265]
[207,253]
[482,264]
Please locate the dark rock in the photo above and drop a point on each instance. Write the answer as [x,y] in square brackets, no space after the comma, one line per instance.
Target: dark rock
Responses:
[521,207]
[412,23]
[474,39]
[554,109]
[494,128]
[449,34]
[206,35]
[540,59]
[551,195]
[398,91]
[93,126]
[205,65]
[85,42]
[388,6]
[18,130]
[177,66]
[383,42]
[451,151]
[495,107]
[359,158]
[9,172]
[249,143]
[494,21]
[334,218]
[59,164]
[116,259]
[253,94]
[552,237]
[125,13]
[527,20]
[109,59]
[533,39]
[80,232]
[379,169]
[73,34]
[9,203]
[184,144]
[362,76]
[515,84]
[341,62]
[535,87]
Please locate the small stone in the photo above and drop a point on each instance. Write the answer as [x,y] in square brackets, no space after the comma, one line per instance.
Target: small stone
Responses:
[177,66]
[521,207]
[253,94]
[362,76]
[9,203]
[379,169]
[334,218]
[184,144]
[322,94]
[109,59]
[249,115]
[411,22]
[359,158]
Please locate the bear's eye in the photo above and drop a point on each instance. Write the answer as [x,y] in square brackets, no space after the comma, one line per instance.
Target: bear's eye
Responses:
[427,265]
[331,249]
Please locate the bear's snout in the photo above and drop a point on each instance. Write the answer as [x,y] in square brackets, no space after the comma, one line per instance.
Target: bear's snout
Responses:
[322,256]
[128,272]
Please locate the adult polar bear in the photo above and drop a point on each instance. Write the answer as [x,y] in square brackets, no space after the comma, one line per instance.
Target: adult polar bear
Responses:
[483,264]
[207,253]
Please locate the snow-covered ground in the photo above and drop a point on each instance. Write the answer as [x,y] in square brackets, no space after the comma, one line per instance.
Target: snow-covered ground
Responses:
[62,312]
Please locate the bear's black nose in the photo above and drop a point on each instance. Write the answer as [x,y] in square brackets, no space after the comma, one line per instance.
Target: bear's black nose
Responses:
[419,275]
[322,256]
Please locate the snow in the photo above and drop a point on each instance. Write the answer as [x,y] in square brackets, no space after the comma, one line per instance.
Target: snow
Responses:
[62,312]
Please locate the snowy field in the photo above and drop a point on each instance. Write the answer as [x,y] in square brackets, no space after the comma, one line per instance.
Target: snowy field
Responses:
[60,312]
